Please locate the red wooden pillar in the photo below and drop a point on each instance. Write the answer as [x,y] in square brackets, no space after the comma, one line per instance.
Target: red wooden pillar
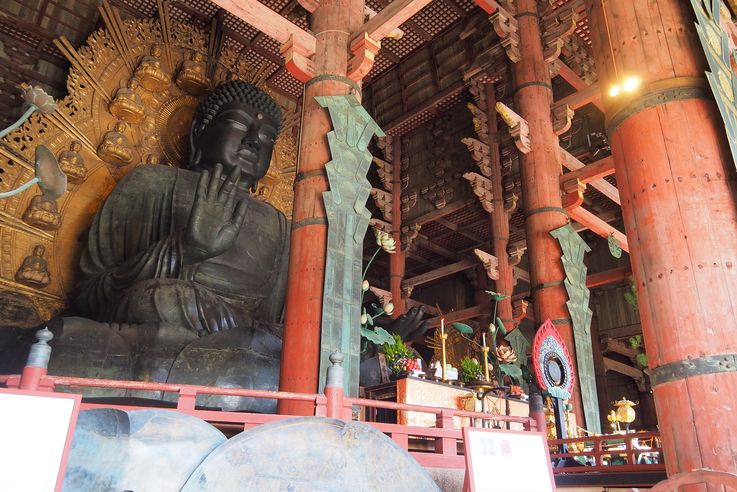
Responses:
[541,172]
[397,260]
[675,176]
[332,23]
[499,218]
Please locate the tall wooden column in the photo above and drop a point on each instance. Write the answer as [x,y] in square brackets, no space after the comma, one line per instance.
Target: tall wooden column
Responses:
[333,21]
[541,172]
[397,260]
[499,217]
[675,176]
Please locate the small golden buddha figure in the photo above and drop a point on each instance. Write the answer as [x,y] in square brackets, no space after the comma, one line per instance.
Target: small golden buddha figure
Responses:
[43,213]
[191,77]
[35,269]
[72,163]
[150,74]
[115,148]
[127,104]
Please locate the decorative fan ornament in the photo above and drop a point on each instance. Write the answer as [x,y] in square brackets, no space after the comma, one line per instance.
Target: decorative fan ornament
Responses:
[614,247]
[552,362]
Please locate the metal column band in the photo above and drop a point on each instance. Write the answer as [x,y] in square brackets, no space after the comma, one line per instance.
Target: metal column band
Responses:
[546,285]
[541,210]
[536,83]
[561,321]
[309,221]
[660,92]
[310,174]
[527,13]
[709,364]
[334,78]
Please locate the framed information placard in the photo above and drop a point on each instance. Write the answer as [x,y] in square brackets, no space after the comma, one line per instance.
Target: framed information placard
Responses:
[506,461]
[36,429]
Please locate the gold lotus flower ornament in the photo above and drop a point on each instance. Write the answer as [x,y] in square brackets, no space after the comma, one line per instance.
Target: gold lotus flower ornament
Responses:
[505,355]
[389,308]
[36,96]
[386,241]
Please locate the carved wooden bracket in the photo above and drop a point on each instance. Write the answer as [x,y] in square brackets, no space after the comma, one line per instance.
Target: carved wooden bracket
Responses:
[364,51]
[518,127]
[519,310]
[383,295]
[573,190]
[405,175]
[380,225]
[490,263]
[480,154]
[556,27]
[407,290]
[579,59]
[510,203]
[383,202]
[480,122]
[297,61]
[409,234]
[477,88]
[482,189]
[505,26]
[515,256]
[386,145]
[385,171]
[409,201]
[562,118]
[438,192]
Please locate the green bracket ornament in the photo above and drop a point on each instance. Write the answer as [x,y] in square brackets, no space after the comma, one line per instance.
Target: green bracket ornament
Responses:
[574,248]
[614,247]
[718,55]
[348,219]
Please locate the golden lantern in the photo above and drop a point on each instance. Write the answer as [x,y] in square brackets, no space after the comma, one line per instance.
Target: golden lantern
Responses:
[625,411]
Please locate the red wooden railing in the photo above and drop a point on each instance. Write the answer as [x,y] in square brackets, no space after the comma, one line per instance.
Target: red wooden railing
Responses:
[439,446]
[636,452]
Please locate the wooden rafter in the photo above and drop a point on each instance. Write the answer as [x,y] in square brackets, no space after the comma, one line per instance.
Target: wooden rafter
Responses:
[607,277]
[269,22]
[607,189]
[461,315]
[598,226]
[391,17]
[439,273]
[591,172]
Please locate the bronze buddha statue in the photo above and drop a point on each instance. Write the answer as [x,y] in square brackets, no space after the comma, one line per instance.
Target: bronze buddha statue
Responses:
[150,73]
[42,212]
[71,163]
[115,148]
[191,77]
[184,269]
[127,105]
[34,271]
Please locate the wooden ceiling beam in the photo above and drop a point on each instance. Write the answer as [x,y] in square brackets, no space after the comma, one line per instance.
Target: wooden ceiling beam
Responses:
[607,189]
[607,277]
[424,242]
[460,315]
[439,273]
[591,172]
[598,226]
[580,98]
[391,17]
[442,212]
[270,23]
[576,81]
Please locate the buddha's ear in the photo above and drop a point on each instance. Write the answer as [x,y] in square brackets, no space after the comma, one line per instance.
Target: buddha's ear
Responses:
[194,132]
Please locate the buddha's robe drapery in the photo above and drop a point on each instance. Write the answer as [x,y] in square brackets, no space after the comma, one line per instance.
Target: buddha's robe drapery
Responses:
[132,269]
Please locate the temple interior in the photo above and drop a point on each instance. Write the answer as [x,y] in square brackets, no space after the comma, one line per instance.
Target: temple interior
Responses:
[522,212]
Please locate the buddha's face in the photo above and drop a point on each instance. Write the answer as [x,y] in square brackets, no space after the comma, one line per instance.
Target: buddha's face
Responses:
[239,136]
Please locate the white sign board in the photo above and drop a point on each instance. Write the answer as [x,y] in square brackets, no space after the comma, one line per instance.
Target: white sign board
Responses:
[507,461]
[35,434]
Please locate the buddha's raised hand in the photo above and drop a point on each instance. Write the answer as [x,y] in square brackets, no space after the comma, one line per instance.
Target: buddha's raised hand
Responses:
[215,219]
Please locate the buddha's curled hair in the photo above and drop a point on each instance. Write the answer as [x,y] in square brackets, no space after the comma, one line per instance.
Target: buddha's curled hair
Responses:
[240,91]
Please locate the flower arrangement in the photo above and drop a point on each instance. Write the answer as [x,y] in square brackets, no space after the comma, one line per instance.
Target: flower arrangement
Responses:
[399,357]
[376,334]
[470,369]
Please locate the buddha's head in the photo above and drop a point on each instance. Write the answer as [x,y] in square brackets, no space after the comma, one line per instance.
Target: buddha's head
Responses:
[236,125]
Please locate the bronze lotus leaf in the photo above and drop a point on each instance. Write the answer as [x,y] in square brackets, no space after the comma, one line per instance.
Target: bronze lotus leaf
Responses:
[37,96]
[505,355]
[52,180]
